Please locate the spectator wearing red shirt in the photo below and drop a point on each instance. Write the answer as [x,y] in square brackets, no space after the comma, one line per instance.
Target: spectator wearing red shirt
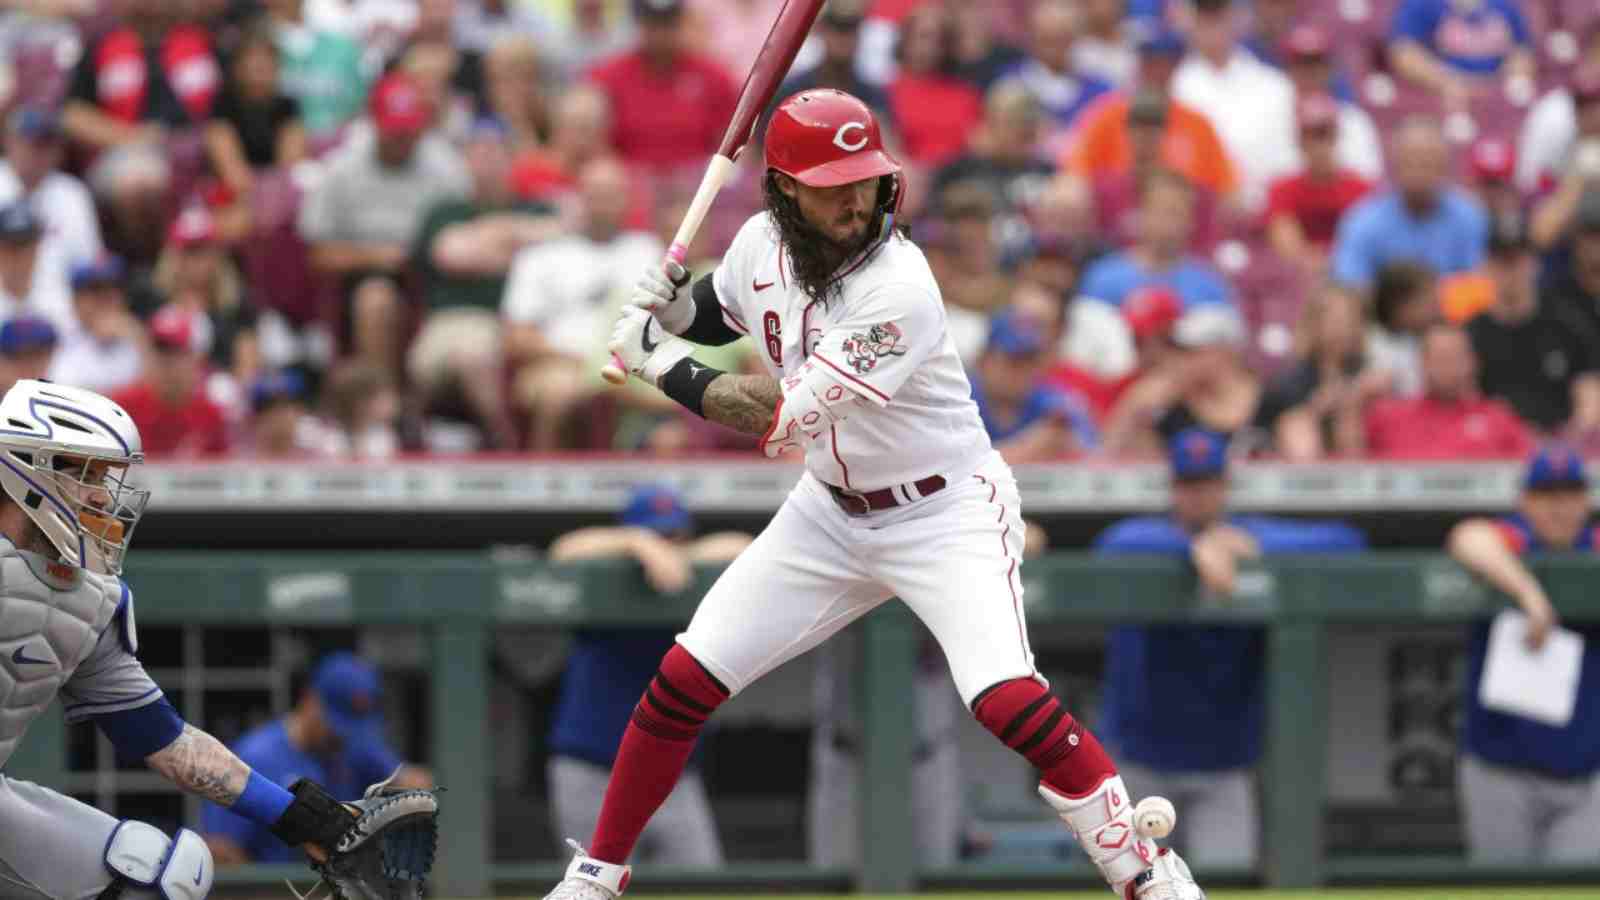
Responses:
[169,404]
[1304,209]
[669,106]
[1451,419]
[148,77]
[936,111]
[1150,313]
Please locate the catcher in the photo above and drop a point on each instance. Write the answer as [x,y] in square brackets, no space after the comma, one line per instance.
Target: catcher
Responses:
[67,627]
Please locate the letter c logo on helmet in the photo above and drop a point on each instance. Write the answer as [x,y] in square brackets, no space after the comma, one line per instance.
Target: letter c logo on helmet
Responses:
[839,137]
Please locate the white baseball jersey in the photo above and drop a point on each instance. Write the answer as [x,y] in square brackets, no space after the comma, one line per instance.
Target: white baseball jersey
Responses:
[883,338]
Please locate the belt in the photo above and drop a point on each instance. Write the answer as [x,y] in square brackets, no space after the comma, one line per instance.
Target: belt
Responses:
[859,503]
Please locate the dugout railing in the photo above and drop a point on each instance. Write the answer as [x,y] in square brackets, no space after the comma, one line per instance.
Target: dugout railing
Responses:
[457,599]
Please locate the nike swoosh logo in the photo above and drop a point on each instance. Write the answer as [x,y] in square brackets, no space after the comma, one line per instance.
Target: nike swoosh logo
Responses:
[20,659]
[200,874]
[644,337]
[761,287]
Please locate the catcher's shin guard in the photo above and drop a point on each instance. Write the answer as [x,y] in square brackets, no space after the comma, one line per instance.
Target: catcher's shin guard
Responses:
[142,855]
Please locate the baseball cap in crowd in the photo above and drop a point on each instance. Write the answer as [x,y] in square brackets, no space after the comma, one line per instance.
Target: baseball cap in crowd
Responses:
[1151,310]
[37,123]
[1195,454]
[19,224]
[102,271]
[276,387]
[1555,467]
[1161,41]
[193,227]
[1492,159]
[1014,334]
[1508,235]
[657,9]
[399,106]
[1207,326]
[349,689]
[25,334]
[1305,43]
[658,508]
[176,328]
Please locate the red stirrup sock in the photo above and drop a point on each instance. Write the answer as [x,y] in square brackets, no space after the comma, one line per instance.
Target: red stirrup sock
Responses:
[654,751]
[1025,717]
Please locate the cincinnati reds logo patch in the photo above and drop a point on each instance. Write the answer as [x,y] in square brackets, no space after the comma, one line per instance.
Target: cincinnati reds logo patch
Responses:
[863,350]
[844,143]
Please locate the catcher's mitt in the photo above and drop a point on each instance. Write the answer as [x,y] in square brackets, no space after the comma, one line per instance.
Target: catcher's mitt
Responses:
[380,847]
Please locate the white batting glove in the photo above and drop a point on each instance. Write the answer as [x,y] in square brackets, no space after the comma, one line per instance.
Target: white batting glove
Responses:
[645,350]
[660,292]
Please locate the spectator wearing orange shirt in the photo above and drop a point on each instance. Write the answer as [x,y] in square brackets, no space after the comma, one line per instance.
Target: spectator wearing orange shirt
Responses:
[669,105]
[169,403]
[1101,143]
[1451,419]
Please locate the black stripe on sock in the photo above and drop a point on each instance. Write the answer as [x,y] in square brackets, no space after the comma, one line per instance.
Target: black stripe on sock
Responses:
[672,691]
[669,712]
[652,726]
[1015,725]
[1044,730]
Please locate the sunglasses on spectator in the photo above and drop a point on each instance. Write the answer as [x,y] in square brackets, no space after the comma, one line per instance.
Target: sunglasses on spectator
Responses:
[1320,133]
[842,23]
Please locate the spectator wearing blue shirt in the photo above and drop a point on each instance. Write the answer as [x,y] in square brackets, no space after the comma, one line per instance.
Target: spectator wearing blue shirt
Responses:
[1183,703]
[1028,418]
[1530,792]
[1444,45]
[1049,72]
[1159,254]
[609,669]
[333,735]
[1422,218]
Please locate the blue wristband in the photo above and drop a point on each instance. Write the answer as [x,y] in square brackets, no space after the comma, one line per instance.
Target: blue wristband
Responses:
[262,801]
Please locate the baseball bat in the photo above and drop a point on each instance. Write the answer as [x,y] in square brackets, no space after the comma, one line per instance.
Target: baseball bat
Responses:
[788,32]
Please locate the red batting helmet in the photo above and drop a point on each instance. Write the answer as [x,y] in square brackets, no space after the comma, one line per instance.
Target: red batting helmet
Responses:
[824,138]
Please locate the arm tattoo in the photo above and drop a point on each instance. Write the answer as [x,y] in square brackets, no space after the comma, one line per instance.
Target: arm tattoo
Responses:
[200,764]
[744,403]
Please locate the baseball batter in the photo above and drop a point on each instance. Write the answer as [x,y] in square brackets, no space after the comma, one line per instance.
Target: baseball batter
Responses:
[902,496]
[67,629]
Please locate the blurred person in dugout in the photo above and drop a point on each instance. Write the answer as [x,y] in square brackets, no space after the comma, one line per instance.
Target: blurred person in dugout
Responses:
[334,735]
[1201,749]
[607,670]
[1530,791]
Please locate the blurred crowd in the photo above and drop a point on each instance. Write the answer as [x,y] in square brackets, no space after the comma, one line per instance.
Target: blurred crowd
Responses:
[363,228]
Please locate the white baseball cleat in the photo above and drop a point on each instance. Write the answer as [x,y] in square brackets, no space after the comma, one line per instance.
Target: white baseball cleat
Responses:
[1168,878]
[1119,841]
[588,878]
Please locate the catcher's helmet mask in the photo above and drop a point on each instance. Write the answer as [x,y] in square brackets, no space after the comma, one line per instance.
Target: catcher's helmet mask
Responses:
[825,138]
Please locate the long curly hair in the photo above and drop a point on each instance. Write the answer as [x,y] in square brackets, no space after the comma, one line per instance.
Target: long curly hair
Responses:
[815,257]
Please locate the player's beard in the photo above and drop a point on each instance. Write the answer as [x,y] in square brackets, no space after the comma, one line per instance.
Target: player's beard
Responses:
[814,257]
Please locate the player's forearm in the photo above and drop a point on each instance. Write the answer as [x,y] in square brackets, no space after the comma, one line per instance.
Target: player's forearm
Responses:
[200,764]
[744,403]
[1477,545]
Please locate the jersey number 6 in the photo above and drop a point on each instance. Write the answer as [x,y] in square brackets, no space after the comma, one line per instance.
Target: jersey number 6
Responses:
[772,330]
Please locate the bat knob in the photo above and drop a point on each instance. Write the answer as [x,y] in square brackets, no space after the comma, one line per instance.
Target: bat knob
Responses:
[613,372]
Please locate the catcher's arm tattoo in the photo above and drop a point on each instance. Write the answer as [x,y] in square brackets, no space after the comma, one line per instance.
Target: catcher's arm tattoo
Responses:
[744,403]
[200,764]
